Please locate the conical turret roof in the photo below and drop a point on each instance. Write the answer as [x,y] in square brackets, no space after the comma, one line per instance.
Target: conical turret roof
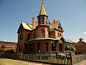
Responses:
[42,11]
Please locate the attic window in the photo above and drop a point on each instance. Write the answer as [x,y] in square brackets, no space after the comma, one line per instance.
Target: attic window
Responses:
[58,27]
[21,29]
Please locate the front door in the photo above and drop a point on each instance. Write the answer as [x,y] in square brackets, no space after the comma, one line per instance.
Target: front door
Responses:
[60,47]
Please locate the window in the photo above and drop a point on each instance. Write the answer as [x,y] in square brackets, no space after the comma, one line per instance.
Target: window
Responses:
[38,46]
[46,46]
[58,27]
[39,20]
[42,20]
[46,20]
[34,35]
[21,29]
[43,33]
[58,34]
[28,36]
[21,47]
[20,36]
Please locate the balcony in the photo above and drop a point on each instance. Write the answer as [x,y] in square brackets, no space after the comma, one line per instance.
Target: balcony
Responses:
[38,36]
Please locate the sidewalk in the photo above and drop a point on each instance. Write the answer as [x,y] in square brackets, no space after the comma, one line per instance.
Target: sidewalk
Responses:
[81,63]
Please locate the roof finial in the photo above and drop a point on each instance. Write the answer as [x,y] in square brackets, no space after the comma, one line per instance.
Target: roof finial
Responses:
[42,2]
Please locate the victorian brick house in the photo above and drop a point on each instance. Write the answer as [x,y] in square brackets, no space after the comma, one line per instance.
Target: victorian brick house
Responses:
[41,36]
[80,46]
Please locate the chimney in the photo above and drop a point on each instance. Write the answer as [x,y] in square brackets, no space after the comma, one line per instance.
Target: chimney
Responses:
[54,21]
[81,39]
[33,25]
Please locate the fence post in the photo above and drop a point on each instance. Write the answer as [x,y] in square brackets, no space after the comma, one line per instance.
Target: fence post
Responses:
[28,57]
[71,58]
[40,58]
[81,58]
[77,59]
[48,58]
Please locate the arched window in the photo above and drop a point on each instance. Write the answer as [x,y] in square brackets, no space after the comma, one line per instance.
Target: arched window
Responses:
[43,33]
[58,34]
[39,20]
[42,20]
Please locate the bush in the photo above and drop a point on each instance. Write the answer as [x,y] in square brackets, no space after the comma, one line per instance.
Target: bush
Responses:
[67,47]
[10,50]
[4,49]
[73,48]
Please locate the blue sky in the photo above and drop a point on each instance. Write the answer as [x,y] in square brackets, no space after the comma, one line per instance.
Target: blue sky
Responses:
[70,13]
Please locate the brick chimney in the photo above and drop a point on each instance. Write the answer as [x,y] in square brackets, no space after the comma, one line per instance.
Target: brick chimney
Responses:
[81,39]
[54,21]
[33,25]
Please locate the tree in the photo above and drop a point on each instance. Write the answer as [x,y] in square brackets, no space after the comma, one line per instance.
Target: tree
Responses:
[74,43]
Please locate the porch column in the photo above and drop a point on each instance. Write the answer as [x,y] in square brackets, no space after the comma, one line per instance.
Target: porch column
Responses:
[64,46]
[56,46]
[36,47]
[51,48]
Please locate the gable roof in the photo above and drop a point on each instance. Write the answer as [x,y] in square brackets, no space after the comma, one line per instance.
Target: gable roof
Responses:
[29,26]
[26,26]
[54,25]
[80,43]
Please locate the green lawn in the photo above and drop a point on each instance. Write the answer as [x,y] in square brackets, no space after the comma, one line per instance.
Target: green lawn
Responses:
[8,62]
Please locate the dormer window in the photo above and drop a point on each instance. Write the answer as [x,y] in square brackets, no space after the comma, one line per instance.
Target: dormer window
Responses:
[58,27]
[42,20]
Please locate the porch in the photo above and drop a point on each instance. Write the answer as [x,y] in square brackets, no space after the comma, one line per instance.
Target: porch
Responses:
[46,47]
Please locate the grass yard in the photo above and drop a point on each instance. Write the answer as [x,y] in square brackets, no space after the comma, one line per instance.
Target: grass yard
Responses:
[8,62]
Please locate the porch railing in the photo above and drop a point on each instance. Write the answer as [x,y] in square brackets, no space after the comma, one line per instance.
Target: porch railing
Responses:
[48,52]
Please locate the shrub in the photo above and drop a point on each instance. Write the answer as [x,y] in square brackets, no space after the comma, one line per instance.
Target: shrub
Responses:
[4,49]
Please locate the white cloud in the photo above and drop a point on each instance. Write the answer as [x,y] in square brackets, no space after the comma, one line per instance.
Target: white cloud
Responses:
[84,33]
